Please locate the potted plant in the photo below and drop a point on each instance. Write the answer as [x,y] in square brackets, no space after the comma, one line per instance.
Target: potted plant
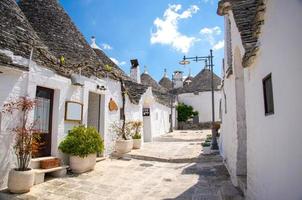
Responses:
[124,142]
[82,144]
[21,178]
[137,141]
[206,146]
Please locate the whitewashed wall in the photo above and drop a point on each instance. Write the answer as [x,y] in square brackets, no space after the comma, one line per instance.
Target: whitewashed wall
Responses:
[233,108]
[203,104]
[274,141]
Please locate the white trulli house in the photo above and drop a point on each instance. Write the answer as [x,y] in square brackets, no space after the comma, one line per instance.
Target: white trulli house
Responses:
[63,68]
[261,97]
[197,92]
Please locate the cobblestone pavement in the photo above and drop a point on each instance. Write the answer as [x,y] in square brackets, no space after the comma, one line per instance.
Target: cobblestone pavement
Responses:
[127,178]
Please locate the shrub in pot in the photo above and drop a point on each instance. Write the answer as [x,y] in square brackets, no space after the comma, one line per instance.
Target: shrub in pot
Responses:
[206,146]
[136,127]
[21,178]
[82,144]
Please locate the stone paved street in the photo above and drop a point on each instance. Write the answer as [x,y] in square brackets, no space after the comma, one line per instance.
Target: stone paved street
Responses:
[176,175]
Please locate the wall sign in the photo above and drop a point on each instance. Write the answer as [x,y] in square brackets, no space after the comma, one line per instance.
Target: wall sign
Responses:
[73,111]
[146,112]
[112,105]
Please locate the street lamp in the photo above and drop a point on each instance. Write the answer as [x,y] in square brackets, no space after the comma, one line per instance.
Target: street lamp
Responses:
[206,59]
[171,105]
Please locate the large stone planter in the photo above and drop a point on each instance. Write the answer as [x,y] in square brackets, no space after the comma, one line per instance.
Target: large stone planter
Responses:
[137,143]
[79,165]
[206,150]
[20,181]
[123,146]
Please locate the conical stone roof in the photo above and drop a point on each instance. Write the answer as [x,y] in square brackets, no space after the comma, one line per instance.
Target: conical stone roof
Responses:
[166,83]
[188,80]
[146,79]
[18,36]
[200,83]
[59,33]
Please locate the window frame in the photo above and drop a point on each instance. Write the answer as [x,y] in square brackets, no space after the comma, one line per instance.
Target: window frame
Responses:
[268,112]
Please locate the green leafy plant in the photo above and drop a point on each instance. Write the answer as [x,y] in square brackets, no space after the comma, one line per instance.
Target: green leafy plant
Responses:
[206,144]
[185,112]
[137,136]
[82,141]
[136,127]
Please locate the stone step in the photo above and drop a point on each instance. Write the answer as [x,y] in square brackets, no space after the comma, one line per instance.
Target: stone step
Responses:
[98,159]
[55,172]
[229,192]
[35,162]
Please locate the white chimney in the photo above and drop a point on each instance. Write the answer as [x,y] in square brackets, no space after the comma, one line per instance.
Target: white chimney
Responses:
[177,79]
[93,43]
[134,71]
[165,73]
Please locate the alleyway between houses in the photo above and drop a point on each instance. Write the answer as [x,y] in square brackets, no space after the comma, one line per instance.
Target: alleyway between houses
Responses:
[171,167]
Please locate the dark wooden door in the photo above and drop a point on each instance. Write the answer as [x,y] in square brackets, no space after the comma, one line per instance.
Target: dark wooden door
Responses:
[43,117]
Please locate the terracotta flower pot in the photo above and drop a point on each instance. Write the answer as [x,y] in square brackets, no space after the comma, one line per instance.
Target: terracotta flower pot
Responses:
[20,181]
[123,146]
[79,165]
[137,143]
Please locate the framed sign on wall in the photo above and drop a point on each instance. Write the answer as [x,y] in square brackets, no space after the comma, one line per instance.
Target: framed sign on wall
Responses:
[73,111]
[146,112]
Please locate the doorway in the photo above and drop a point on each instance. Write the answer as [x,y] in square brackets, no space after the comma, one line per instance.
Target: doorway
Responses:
[43,119]
[94,111]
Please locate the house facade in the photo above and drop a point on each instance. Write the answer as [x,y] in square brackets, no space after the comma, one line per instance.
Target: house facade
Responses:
[260,97]
[197,92]
[45,57]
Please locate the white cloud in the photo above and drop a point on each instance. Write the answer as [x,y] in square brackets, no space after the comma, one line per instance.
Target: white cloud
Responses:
[218,45]
[167,32]
[106,46]
[206,1]
[118,62]
[210,33]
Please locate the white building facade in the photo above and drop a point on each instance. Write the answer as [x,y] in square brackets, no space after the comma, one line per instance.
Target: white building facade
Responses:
[260,98]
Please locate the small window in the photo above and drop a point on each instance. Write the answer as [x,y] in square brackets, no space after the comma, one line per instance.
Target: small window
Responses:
[268,95]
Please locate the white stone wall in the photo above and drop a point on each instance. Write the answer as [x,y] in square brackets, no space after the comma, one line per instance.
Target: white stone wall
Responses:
[274,141]
[203,104]
[233,108]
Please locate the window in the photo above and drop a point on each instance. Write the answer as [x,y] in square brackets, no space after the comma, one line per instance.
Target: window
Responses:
[268,95]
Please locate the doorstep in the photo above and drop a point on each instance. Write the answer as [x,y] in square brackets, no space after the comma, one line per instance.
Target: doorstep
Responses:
[55,172]
[35,162]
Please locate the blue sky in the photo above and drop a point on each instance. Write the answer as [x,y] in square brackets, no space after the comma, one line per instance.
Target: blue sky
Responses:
[156,32]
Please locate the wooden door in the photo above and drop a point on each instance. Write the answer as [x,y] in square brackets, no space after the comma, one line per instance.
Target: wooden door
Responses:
[43,118]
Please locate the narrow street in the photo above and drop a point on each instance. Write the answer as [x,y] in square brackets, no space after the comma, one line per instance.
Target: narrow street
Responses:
[171,167]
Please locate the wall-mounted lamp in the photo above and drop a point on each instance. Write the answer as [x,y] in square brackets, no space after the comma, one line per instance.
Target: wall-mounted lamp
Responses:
[77,80]
[101,87]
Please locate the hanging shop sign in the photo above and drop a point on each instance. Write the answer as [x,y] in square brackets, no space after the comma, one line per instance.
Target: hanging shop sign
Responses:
[112,105]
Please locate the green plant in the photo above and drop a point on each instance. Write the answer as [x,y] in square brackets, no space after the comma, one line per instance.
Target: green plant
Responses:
[185,112]
[137,136]
[205,144]
[136,126]
[26,135]
[82,141]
